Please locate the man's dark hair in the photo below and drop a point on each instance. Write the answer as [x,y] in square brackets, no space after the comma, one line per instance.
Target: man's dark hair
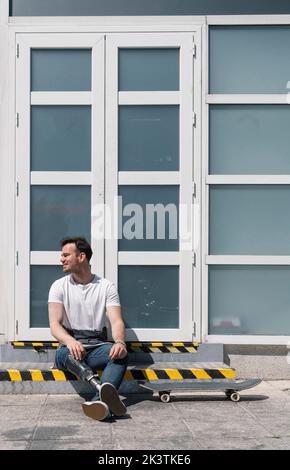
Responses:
[81,244]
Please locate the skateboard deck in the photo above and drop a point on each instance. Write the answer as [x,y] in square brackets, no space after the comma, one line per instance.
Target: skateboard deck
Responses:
[230,387]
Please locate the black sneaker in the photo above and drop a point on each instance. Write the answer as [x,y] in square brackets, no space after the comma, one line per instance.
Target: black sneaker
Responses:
[110,396]
[95,410]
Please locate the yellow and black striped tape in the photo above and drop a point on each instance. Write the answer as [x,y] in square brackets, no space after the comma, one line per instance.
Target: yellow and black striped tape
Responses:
[133,347]
[15,375]
[34,344]
[164,347]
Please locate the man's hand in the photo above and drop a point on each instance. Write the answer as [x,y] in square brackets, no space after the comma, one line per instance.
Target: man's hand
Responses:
[76,349]
[118,351]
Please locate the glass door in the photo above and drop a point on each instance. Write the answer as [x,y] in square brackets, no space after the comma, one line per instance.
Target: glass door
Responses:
[149,182]
[59,163]
[104,149]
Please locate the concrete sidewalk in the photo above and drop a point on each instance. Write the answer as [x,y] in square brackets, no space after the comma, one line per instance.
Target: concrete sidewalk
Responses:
[261,420]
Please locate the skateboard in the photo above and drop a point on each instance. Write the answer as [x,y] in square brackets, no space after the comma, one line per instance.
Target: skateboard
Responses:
[230,387]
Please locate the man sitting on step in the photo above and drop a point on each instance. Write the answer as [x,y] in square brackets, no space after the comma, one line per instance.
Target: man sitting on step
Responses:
[79,305]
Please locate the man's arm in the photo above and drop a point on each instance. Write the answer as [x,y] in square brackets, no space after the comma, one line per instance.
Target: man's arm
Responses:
[55,311]
[119,350]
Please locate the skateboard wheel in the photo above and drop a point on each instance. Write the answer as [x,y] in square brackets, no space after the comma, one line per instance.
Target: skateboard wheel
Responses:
[164,397]
[235,396]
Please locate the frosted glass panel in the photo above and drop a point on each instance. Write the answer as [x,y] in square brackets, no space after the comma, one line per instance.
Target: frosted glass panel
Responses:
[41,278]
[250,219]
[148,138]
[150,218]
[249,139]
[249,59]
[149,296]
[249,300]
[60,138]
[57,212]
[61,70]
[148,69]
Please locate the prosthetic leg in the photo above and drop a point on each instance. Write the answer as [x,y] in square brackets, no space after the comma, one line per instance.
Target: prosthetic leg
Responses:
[109,397]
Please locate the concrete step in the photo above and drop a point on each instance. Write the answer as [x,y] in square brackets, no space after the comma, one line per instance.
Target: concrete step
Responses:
[24,377]
[139,352]
[28,367]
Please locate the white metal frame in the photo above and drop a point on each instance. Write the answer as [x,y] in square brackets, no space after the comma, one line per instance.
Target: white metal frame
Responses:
[198,25]
[35,98]
[7,263]
[26,178]
[235,179]
[184,178]
[108,24]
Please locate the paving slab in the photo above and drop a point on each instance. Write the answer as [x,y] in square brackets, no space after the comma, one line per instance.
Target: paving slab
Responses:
[82,429]
[180,443]
[13,445]
[151,428]
[63,408]
[241,443]
[226,427]
[75,444]
[24,412]
[16,430]
[20,400]
[191,421]
[282,385]
[285,443]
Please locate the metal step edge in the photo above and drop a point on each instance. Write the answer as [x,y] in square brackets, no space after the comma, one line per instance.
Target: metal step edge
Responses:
[138,366]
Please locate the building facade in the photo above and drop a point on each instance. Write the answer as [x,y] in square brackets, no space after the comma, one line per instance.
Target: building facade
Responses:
[161,134]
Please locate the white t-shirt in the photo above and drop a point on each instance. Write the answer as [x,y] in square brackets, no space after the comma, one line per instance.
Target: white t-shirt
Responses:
[84,305]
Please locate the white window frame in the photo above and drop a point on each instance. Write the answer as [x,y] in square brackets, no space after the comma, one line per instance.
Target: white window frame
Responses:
[208,179]
[196,24]
[26,27]
[7,264]
[184,178]
[26,178]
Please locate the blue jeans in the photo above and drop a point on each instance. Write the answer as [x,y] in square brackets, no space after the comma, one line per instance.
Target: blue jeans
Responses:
[98,359]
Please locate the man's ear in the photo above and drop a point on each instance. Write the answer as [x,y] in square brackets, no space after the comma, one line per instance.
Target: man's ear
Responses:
[82,256]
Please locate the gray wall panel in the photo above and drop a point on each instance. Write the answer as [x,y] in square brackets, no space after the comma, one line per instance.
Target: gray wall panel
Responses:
[148,7]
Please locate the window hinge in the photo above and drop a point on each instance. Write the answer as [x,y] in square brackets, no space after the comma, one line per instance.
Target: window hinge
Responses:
[17,189]
[16,258]
[17,119]
[194,50]
[194,329]
[193,258]
[17,327]
[17,51]
[193,189]
[194,119]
